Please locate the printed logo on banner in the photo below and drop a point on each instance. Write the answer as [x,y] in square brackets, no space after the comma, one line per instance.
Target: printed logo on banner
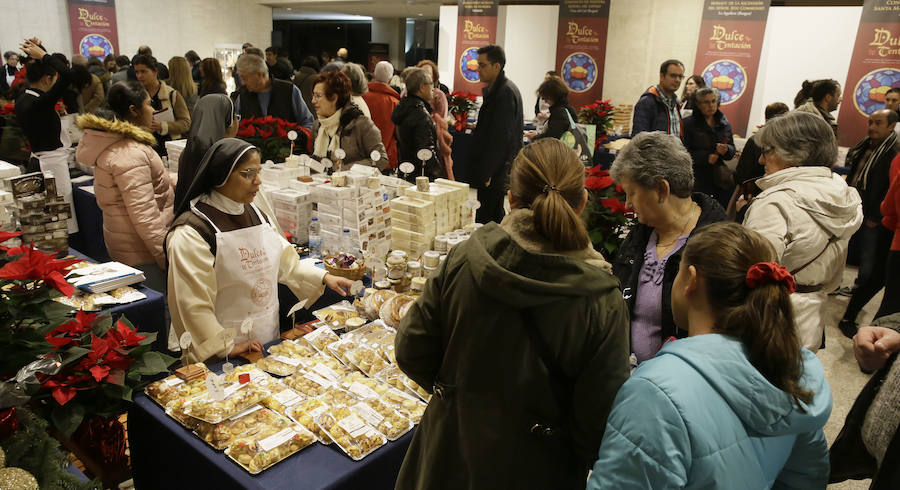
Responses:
[868,95]
[728,77]
[579,71]
[95,45]
[468,65]
[884,43]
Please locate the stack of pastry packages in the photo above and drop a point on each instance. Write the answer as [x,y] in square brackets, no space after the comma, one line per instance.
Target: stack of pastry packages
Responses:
[41,211]
[341,390]
[425,211]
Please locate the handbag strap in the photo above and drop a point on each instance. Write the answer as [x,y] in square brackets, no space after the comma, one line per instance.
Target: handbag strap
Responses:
[571,121]
[804,266]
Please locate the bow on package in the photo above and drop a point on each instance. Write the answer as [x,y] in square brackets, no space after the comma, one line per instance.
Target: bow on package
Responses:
[769,272]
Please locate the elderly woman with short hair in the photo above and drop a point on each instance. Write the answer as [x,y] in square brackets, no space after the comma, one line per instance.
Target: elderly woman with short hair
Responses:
[710,141]
[656,173]
[358,86]
[806,211]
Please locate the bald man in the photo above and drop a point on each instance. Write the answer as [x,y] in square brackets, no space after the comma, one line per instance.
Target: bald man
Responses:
[870,164]
[342,54]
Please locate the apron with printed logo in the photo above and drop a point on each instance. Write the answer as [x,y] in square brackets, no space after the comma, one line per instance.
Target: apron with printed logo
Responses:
[246,266]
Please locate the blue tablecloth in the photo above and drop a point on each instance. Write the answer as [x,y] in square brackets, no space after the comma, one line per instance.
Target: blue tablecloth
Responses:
[147,314]
[166,455]
[89,239]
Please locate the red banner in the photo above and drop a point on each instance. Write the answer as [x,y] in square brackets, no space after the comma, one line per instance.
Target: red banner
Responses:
[581,48]
[476,26]
[93,26]
[874,69]
[731,38]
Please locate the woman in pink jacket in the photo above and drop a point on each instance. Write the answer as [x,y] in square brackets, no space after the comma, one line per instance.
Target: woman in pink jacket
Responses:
[132,185]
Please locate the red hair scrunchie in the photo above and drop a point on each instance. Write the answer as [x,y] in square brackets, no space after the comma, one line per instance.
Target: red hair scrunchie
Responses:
[768,272]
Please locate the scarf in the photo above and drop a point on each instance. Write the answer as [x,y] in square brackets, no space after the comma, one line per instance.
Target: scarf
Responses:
[326,140]
[861,177]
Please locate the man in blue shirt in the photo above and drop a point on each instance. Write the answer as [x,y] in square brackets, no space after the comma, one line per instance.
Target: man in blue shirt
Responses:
[261,95]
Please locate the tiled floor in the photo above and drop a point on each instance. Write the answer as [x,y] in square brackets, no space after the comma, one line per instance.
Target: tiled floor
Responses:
[841,369]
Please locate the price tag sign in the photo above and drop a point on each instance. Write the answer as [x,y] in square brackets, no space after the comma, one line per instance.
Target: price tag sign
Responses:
[185,341]
[247,326]
[375,155]
[340,154]
[424,154]
[215,385]
[407,167]
[292,135]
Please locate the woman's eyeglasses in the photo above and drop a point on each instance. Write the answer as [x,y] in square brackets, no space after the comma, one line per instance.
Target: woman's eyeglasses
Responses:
[250,173]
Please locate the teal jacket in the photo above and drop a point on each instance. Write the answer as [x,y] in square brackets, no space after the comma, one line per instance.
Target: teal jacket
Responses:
[699,415]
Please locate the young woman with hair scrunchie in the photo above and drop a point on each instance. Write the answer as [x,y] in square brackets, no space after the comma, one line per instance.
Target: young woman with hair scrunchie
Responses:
[737,404]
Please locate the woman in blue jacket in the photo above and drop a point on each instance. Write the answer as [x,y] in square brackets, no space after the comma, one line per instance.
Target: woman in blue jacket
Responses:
[738,404]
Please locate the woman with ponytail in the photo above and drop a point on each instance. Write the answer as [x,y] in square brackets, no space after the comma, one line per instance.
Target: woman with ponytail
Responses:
[737,404]
[521,336]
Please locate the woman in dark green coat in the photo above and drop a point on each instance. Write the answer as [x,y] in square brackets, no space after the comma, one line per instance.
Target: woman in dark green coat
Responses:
[522,336]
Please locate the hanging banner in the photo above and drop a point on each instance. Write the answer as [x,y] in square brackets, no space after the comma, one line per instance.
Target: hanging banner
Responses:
[731,38]
[581,48]
[476,26]
[874,69]
[93,27]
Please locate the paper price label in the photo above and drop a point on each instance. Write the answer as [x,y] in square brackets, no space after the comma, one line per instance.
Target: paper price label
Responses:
[375,155]
[395,391]
[246,412]
[247,326]
[318,411]
[232,389]
[424,154]
[287,360]
[271,442]
[354,425]
[326,372]
[173,382]
[340,154]
[215,387]
[292,135]
[362,390]
[407,167]
[288,398]
[315,378]
[371,417]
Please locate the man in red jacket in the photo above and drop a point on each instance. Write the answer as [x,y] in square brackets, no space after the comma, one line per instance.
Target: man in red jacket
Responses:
[382,100]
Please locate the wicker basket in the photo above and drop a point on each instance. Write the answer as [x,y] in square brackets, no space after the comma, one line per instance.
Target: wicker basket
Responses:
[355,274]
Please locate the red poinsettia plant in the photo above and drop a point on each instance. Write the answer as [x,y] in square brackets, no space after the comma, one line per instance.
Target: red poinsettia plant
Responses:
[605,216]
[599,113]
[460,104]
[270,135]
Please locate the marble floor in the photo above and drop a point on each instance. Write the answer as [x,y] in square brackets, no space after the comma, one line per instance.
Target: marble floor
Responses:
[841,369]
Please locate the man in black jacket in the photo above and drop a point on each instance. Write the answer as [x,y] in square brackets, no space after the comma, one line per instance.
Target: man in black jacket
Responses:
[415,128]
[498,134]
[9,71]
[870,164]
[260,95]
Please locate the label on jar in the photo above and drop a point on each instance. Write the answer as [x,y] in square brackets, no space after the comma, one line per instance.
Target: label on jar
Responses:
[362,390]
[315,378]
[326,372]
[271,442]
[246,412]
[354,425]
[372,417]
[286,360]
[288,398]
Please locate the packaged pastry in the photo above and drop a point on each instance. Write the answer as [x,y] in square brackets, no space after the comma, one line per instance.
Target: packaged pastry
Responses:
[350,432]
[172,387]
[290,348]
[254,374]
[367,360]
[177,409]
[384,346]
[363,387]
[308,383]
[407,405]
[393,376]
[372,332]
[328,367]
[320,338]
[393,309]
[238,397]
[282,398]
[305,414]
[383,418]
[336,397]
[373,300]
[258,454]
[280,365]
[337,315]
[340,348]
[254,420]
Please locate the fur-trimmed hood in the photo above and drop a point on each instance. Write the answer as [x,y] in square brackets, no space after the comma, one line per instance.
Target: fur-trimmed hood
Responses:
[519,223]
[101,133]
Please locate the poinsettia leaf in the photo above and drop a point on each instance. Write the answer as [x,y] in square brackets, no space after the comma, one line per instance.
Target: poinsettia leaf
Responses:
[67,419]
[151,363]
[73,354]
[101,325]
[149,338]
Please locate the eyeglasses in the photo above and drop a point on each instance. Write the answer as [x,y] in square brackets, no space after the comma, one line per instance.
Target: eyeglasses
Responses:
[250,173]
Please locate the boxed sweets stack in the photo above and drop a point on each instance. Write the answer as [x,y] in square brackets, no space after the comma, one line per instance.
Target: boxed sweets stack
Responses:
[414,224]
[362,210]
[457,197]
[293,210]
[439,195]
[41,210]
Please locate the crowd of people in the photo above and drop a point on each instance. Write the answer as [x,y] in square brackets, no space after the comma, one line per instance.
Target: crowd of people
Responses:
[525,334]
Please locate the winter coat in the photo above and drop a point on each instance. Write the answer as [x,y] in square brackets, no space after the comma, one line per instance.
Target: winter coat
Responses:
[132,187]
[878,180]
[651,113]
[359,137]
[804,211]
[305,80]
[382,100]
[498,419]
[850,458]
[890,207]
[498,135]
[811,107]
[416,131]
[700,141]
[699,415]
[92,96]
[630,258]
[558,123]
[182,123]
